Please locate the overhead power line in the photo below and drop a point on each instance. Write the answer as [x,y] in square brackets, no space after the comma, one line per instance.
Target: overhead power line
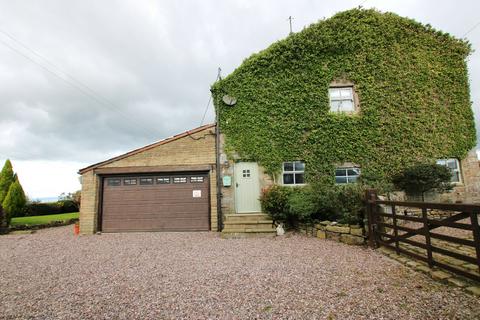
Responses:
[471,29]
[219,77]
[72,81]
[362,3]
[206,109]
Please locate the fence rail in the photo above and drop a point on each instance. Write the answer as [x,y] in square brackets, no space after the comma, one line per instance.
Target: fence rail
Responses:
[379,222]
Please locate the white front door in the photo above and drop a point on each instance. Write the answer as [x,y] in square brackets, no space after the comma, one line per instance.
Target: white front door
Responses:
[247,187]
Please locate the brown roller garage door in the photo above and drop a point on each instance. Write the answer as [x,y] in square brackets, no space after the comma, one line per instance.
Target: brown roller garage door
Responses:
[155,203]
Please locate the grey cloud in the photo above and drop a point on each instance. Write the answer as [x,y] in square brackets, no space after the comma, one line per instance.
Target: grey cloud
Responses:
[154,61]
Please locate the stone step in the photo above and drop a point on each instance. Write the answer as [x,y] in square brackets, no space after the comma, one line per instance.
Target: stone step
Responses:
[246,217]
[248,230]
[228,222]
[245,235]
[249,227]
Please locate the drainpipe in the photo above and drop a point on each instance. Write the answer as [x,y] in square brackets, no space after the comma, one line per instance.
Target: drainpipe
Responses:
[219,176]
[217,162]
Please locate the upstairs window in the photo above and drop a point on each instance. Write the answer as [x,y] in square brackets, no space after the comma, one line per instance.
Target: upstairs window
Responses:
[346,175]
[293,173]
[454,167]
[341,99]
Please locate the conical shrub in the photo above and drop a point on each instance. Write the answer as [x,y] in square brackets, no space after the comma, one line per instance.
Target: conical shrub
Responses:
[15,201]
[6,179]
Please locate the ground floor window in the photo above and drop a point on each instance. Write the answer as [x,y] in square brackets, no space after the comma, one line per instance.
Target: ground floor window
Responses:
[346,175]
[293,173]
[454,166]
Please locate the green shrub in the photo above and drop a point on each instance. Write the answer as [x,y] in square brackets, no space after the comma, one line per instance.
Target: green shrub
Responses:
[350,201]
[301,207]
[293,206]
[274,202]
[14,202]
[422,178]
[7,177]
[326,205]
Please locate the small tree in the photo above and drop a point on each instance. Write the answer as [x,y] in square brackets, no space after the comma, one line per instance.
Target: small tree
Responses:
[7,177]
[422,178]
[15,201]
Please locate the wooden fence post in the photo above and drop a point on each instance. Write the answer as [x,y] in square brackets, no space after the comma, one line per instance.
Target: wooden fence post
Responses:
[395,229]
[428,242]
[476,234]
[370,197]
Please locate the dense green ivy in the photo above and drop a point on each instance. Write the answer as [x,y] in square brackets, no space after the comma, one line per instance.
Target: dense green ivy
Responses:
[411,81]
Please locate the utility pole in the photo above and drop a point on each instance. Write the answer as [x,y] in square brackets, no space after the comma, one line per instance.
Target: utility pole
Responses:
[217,161]
[290,21]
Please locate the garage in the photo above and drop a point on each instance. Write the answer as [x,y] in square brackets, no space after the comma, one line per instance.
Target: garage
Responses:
[161,202]
[169,185]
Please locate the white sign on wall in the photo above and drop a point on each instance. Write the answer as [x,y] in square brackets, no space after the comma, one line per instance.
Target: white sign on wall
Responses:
[197,193]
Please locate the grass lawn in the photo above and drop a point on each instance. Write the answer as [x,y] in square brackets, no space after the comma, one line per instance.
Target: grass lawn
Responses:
[43,219]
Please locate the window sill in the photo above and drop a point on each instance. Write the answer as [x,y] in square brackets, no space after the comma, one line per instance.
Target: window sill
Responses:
[294,185]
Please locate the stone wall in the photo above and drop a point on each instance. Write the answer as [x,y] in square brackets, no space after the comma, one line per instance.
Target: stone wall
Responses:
[468,191]
[348,234]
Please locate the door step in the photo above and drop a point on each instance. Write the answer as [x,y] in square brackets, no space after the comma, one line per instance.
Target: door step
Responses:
[248,225]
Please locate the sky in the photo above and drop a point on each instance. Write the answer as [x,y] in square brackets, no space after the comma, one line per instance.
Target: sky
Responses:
[82,81]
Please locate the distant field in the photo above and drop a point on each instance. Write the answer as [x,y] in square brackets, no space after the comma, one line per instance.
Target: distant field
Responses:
[43,219]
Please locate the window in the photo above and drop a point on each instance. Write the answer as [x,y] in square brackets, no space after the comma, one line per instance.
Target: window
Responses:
[146,181]
[114,182]
[196,179]
[341,99]
[246,173]
[180,180]
[346,175]
[163,180]
[454,167]
[293,172]
[129,182]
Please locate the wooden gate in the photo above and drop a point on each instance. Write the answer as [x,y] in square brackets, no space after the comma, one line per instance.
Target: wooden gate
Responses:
[388,226]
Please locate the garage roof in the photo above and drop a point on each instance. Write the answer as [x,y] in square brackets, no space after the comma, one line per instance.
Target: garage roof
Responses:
[145,148]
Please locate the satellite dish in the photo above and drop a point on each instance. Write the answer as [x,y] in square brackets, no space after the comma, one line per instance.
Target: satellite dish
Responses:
[230,101]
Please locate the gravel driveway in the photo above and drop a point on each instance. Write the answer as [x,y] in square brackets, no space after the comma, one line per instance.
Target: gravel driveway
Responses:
[55,275]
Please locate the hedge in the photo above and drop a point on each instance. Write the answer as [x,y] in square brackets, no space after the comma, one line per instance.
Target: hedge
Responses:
[47,208]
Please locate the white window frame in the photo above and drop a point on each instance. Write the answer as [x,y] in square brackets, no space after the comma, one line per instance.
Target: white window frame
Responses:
[444,162]
[177,180]
[293,172]
[197,179]
[347,176]
[341,98]
[163,180]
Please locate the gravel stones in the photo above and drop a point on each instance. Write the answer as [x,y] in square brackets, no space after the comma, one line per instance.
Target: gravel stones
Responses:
[53,274]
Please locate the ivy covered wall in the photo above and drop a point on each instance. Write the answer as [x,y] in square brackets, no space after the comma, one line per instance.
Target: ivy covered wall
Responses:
[411,81]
